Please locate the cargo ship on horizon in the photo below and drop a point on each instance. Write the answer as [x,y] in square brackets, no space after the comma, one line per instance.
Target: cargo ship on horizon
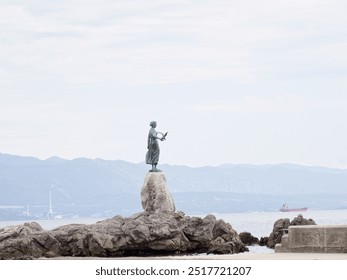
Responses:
[285,208]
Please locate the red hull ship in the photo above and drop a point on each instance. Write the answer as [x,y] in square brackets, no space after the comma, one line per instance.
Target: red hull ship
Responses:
[285,208]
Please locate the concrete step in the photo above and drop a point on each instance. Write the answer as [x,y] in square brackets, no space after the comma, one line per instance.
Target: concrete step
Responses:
[315,239]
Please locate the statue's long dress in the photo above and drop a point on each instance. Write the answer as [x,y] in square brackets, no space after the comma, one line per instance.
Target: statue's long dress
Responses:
[152,155]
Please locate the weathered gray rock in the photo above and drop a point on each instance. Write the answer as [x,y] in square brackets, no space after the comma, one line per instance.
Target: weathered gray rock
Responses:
[263,241]
[139,235]
[282,225]
[301,221]
[21,230]
[155,196]
[26,242]
[277,232]
[248,239]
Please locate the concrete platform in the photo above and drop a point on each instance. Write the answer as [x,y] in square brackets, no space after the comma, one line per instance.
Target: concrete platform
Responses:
[314,239]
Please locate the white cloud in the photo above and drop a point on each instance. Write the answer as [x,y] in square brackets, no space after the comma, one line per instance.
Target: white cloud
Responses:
[281,103]
[163,41]
[95,60]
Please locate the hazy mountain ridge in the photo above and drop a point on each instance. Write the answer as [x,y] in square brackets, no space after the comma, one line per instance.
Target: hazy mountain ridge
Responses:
[96,186]
[271,179]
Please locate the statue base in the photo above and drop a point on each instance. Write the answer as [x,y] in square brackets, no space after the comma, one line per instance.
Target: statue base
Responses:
[155,196]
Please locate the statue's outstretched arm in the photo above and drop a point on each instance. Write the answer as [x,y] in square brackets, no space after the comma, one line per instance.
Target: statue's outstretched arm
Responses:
[163,136]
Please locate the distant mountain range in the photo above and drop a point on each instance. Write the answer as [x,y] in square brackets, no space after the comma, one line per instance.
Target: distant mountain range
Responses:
[97,187]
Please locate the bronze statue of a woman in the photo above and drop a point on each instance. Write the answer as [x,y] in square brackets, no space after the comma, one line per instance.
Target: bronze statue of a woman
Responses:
[152,155]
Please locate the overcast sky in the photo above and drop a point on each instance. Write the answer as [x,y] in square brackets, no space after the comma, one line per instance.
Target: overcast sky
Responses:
[234,81]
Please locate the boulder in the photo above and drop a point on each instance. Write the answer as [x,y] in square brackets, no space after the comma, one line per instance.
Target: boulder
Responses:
[277,232]
[301,221]
[248,239]
[27,241]
[21,230]
[143,234]
[155,196]
[263,241]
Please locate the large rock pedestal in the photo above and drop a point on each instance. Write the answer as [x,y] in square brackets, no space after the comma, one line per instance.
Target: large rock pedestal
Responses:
[155,196]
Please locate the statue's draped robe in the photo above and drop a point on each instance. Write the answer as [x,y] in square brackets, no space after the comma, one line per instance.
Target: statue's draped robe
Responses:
[152,156]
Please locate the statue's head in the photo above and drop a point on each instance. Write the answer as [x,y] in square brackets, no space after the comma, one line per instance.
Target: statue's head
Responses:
[153,124]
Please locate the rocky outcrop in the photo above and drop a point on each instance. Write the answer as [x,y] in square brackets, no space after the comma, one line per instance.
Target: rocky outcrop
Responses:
[156,231]
[248,239]
[26,242]
[155,196]
[282,225]
[301,221]
[139,235]
[11,232]
[277,232]
[263,241]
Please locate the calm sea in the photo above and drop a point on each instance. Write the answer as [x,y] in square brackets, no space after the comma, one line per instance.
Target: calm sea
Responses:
[258,223]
